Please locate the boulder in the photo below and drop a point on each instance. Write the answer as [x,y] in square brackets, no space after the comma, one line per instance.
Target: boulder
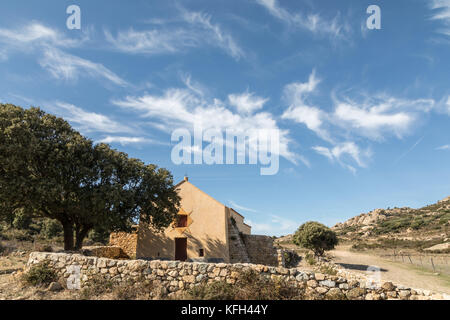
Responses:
[55,286]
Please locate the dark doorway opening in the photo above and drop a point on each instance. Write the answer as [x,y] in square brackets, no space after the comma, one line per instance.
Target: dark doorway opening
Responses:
[181,249]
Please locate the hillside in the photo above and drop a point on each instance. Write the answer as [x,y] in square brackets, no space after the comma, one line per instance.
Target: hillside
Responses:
[423,224]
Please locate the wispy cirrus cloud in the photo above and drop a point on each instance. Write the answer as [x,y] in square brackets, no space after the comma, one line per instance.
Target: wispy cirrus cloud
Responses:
[47,45]
[373,117]
[152,41]
[37,34]
[273,225]
[217,36]
[65,66]
[296,95]
[87,121]
[347,149]
[312,22]
[239,207]
[190,30]
[246,103]
[185,108]
[441,12]
[444,147]
[130,140]
[379,116]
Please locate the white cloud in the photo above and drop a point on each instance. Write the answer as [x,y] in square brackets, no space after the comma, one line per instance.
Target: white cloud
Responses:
[87,121]
[379,116]
[129,140]
[68,67]
[36,33]
[311,22]
[444,105]
[152,41]
[445,147]
[38,38]
[441,12]
[344,152]
[273,225]
[374,117]
[239,207]
[196,30]
[183,108]
[371,122]
[246,103]
[299,110]
[216,36]
[296,93]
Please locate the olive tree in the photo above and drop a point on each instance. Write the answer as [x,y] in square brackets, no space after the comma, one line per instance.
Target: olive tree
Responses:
[316,237]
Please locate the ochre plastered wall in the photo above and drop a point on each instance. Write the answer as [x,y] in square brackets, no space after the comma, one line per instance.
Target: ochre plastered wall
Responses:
[208,229]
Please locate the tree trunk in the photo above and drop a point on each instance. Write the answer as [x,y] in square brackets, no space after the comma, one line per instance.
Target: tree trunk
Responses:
[68,235]
[80,236]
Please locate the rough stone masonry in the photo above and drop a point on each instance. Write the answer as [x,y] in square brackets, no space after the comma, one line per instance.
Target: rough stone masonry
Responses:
[175,276]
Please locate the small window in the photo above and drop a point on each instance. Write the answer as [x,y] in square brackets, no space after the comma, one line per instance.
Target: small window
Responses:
[201,252]
[181,221]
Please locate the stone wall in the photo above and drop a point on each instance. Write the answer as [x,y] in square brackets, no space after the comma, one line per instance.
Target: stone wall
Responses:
[260,249]
[238,251]
[110,252]
[126,241]
[174,276]
[246,248]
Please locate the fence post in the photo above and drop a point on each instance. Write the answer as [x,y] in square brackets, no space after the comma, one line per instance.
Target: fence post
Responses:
[431,258]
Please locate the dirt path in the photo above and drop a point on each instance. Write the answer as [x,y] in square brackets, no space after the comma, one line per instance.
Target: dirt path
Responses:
[396,272]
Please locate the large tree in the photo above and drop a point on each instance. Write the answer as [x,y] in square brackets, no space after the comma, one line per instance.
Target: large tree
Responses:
[48,169]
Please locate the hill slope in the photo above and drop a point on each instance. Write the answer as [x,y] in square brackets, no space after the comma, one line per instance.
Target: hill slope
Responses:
[430,222]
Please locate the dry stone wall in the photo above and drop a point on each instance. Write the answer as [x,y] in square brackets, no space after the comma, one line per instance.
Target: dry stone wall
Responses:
[174,276]
[260,249]
[126,241]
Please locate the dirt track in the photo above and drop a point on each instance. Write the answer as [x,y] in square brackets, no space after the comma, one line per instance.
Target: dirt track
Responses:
[396,272]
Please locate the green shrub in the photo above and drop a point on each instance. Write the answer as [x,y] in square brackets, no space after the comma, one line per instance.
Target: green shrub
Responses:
[249,286]
[217,290]
[328,270]
[253,286]
[316,237]
[43,248]
[291,259]
[51,228]
[310,259]
[15,234]
[96,286]
[40,274]
[22,220]
[99,235]
[141,289]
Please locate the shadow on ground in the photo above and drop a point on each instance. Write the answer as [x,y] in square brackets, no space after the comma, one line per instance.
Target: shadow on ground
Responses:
[360,267]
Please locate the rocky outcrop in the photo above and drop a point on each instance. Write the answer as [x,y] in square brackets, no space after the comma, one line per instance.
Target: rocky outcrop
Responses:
[371,218]
[439,247]
[174,276]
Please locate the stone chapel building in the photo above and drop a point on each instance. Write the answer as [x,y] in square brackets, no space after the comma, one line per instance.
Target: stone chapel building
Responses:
[205,230]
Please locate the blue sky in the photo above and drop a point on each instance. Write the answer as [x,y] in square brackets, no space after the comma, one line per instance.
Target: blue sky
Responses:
[363,114]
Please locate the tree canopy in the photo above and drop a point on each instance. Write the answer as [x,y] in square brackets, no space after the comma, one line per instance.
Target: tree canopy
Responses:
[48,169]
[316,237]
